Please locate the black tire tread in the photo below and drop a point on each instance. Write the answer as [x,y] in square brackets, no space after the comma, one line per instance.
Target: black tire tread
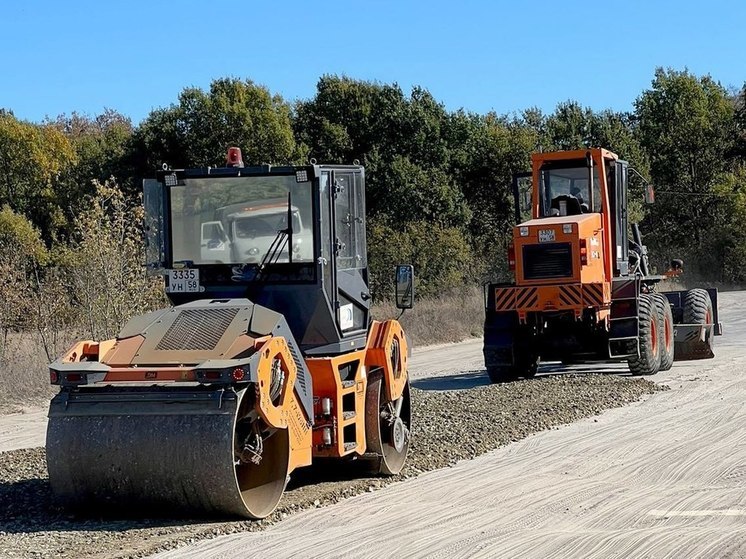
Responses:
[696,304]
[665,313]
[648,362]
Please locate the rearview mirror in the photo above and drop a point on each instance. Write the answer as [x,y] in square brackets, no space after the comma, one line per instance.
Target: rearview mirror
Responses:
[404,286]
[649,194]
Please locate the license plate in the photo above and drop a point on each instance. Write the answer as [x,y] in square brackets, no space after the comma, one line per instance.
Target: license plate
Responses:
[546,235]
[183,281]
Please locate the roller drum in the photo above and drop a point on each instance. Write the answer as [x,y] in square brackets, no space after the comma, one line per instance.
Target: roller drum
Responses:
[165,451]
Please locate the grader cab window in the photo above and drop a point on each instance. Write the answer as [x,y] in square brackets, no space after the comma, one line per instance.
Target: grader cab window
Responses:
[567,191]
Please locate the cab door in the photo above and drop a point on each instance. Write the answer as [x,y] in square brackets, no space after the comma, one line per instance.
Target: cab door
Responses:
[352,295]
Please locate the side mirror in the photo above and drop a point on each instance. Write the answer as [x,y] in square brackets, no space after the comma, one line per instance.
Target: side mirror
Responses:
[404,286]
[649,194]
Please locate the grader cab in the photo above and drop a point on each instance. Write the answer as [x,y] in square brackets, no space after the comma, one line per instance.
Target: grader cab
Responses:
[268,361]
[583,289]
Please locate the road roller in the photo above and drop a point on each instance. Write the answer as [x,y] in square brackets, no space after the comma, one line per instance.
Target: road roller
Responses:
[268,359]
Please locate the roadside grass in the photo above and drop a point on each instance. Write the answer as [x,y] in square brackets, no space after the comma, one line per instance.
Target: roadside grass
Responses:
[453,317]
[24,377]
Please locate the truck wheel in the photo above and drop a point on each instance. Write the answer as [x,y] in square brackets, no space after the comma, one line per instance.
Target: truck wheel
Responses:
[649,359]
[666,330]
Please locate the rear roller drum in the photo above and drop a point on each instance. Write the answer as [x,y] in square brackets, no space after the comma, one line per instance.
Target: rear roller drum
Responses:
[387,426]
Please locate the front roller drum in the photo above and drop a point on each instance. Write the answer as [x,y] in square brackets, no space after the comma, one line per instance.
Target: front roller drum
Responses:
[177,453]
[387,426]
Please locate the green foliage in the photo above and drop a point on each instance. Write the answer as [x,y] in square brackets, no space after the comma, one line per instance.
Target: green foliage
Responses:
[687,127]
[438,183]
[402,142]
[103,266]
[441,257]
[33,159]
[199,129]
[21,253]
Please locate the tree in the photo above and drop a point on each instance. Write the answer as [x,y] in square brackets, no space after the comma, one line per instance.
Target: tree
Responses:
[687,127]
[103,265]
[33,160]
[198,130]
[21,253]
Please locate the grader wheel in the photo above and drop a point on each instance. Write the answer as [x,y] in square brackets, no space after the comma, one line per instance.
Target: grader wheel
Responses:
[666,329]
[697,310]
[649,360]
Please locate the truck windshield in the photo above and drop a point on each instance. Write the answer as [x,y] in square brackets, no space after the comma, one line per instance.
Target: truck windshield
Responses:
[235,220]
[567,192]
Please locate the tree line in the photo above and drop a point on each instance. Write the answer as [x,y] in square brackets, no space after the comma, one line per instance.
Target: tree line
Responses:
[438,181]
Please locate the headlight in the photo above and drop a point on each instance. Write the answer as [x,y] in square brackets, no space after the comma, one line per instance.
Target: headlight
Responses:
[252,251]
[524,231]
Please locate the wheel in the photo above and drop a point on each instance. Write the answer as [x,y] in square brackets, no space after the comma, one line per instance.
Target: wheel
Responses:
[697,310]
[697,307]
[387,426]
[666,330]
[517,358]
[501,374]
[649,360]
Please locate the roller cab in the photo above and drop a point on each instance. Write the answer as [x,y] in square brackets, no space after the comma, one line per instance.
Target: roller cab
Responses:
[268,359]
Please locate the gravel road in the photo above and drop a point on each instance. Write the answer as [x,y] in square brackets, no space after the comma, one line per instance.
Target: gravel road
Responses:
[661,478]
[596,487]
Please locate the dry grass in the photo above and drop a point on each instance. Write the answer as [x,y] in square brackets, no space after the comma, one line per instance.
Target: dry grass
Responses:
[24,376]
[453,317]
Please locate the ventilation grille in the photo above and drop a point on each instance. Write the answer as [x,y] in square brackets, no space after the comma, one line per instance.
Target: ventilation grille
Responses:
[299,365]
[547,261]
[197,329]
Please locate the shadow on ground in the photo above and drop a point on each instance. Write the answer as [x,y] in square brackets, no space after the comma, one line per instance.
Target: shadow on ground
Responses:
[472,379]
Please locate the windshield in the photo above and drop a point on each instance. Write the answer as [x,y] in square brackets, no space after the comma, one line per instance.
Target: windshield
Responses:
[567,192]
[236,220]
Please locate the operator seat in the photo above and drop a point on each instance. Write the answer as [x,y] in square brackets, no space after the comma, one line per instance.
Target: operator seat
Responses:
[572,204]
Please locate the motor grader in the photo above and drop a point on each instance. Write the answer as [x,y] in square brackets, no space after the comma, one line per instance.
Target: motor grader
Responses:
[267,362]
[583,290]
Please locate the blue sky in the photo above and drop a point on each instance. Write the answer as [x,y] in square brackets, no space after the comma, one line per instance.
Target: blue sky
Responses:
[485,55]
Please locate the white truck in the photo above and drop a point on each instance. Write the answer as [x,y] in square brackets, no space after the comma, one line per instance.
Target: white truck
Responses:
[244,233]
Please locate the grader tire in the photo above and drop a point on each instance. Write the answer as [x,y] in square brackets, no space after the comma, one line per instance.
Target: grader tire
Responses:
[666,329]
[697,307]
[649,360]
[697,310]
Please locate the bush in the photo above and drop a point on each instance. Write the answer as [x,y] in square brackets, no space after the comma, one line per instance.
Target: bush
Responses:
[441,257]
[103,267]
